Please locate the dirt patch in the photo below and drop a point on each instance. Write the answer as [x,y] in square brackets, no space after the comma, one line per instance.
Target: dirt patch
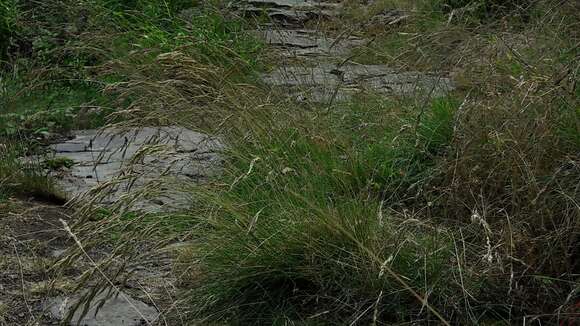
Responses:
[31,239]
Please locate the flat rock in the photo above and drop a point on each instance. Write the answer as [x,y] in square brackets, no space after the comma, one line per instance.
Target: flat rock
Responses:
[327,82]
[137,160]
[292,4]
[302,42]
[115,310]
[289,12]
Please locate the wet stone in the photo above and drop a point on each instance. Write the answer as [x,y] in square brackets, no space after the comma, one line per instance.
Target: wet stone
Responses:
[127,162]
[117,310]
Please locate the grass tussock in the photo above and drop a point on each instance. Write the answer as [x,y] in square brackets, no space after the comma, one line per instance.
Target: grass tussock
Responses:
[301,214]
[20,177]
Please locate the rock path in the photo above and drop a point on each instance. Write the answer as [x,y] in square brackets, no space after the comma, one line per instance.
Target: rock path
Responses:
[115,309]
[327,82]
[131,162]
[308,43]
[324,72]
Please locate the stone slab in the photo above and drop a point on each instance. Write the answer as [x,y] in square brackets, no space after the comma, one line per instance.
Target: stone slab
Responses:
[308,43]
[117,310]
[326,82]
[292,4]
[289,12]
[137,160]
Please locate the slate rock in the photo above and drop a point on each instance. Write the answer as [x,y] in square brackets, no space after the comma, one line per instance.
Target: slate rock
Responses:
[117,310]
[303,42]
[137,160]
[328,82]
[289,12]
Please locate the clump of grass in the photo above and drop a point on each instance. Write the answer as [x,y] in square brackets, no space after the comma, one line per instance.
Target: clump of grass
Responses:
[300,230]
[23,177]
[326,262]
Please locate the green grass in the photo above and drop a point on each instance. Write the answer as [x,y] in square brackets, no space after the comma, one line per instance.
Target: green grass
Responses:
[61,82]
[20,177]
[314,207]
[55,107]
[301,230]
[58,163]
[206,33]
[313,204]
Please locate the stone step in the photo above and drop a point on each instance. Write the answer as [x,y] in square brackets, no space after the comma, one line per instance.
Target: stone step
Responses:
[308,43]
[327,82]
[134,160]
[289,12]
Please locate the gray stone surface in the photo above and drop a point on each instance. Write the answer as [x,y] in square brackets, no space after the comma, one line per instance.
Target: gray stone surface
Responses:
[137,160]
[116,310]
[289,12]
[320,78]
[326,82]
[302,42]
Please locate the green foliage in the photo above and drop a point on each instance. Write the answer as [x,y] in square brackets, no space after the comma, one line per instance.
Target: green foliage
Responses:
[57,84]
[40,110]
[210,37]
[161,8]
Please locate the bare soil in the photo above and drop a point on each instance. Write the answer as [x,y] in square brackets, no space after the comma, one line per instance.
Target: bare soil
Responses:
[31,239]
